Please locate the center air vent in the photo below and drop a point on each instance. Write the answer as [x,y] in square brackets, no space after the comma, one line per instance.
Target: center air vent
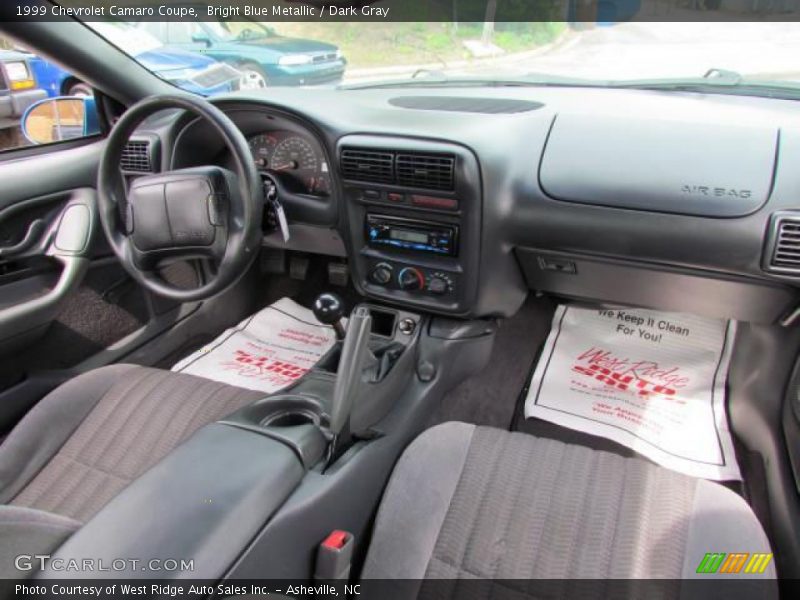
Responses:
[136,157]
[415,170]
[784,243]
[425,171]
[368,165]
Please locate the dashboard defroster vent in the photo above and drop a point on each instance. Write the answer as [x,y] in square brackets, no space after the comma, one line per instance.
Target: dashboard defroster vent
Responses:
[784,243]
[374,166]
[408,169]
[487,106]
[136,157]
[427,171]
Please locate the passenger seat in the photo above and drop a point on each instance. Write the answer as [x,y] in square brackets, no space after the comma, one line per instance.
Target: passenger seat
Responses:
[477,502]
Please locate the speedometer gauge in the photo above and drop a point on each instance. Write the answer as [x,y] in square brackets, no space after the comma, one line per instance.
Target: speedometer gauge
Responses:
[295,154]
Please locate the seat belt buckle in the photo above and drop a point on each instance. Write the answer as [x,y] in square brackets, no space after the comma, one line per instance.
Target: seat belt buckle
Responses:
[334,556]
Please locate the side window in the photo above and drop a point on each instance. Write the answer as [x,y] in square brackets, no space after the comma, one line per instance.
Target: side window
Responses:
[29,113]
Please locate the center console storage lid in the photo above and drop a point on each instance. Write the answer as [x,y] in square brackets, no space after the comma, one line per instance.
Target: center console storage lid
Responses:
[204,502]
[658,164]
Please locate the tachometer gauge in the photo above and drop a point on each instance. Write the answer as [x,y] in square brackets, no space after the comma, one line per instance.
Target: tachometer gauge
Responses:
[262,147]
[295,154]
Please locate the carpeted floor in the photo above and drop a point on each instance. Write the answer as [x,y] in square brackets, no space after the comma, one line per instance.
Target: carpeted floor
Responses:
[489,397]
[495,397]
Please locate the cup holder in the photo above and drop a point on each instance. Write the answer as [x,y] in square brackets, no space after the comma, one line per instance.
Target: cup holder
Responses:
[291,418]
[290,411]
[294,420]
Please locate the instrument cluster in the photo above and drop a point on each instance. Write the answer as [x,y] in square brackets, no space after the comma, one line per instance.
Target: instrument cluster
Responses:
[295,158]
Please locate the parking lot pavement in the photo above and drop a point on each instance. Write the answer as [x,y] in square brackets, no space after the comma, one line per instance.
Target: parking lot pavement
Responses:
[636,50]
[654,50]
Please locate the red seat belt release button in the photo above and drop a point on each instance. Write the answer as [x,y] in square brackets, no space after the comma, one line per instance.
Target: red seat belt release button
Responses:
[334,556]
[336,540]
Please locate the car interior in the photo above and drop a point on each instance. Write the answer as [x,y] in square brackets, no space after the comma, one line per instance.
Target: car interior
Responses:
[434,231]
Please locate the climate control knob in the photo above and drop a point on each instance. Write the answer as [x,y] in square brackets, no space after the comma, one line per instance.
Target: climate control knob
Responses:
[381,274]
[438,285]
[410,279]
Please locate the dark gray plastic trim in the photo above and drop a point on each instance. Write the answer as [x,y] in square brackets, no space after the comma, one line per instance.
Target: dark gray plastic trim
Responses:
[463,269]
[662,288]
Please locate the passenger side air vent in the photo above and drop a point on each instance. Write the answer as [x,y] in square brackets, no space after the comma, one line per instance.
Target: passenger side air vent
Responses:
[374,166]
[415,170]
[136,157]
[428,171]
[784,243]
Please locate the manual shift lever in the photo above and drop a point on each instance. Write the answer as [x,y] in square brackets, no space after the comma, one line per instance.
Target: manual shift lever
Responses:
[355,352]
[329,310]
[358,366]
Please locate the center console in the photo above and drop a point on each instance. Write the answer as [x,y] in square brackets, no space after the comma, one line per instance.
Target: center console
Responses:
[414,218]
[253,495]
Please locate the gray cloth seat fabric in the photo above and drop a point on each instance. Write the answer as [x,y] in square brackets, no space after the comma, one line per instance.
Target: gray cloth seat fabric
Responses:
[88,439]
[468,502]
[26,533]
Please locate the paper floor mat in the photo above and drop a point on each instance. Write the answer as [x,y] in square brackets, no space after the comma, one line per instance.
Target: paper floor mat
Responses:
[266,351]
[650,380]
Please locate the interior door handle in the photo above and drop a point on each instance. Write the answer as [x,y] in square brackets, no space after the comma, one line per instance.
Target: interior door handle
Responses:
[68,242]
[34,233]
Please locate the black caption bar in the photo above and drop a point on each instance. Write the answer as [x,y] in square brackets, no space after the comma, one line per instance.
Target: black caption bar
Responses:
[196,589]
[587,11]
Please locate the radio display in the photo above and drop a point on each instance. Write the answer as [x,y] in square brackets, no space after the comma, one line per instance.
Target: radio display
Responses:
[409,236]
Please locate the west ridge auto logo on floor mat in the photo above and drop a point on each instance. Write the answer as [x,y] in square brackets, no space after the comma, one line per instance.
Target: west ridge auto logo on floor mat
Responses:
[652,381]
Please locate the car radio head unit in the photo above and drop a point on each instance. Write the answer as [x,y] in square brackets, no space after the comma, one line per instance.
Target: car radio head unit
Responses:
[408,234]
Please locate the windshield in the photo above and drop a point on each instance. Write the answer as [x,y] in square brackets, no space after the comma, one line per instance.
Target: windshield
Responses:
[127,38]
[236,32]
[364,54]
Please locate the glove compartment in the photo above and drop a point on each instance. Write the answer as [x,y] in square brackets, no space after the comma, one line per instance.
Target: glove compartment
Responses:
[658,164]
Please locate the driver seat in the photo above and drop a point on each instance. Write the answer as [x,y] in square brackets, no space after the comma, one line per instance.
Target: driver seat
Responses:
[87,440]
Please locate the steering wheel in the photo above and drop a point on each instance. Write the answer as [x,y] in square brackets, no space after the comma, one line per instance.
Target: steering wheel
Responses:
[202,212]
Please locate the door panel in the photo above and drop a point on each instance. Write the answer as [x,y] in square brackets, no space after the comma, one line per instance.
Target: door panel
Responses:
[105,308]
[44,171]
[44,262]
[49,241]
[48,218]
[48,221]
[66,304]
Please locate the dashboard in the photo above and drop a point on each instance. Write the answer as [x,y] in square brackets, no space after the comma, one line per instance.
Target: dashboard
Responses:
[459,201]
